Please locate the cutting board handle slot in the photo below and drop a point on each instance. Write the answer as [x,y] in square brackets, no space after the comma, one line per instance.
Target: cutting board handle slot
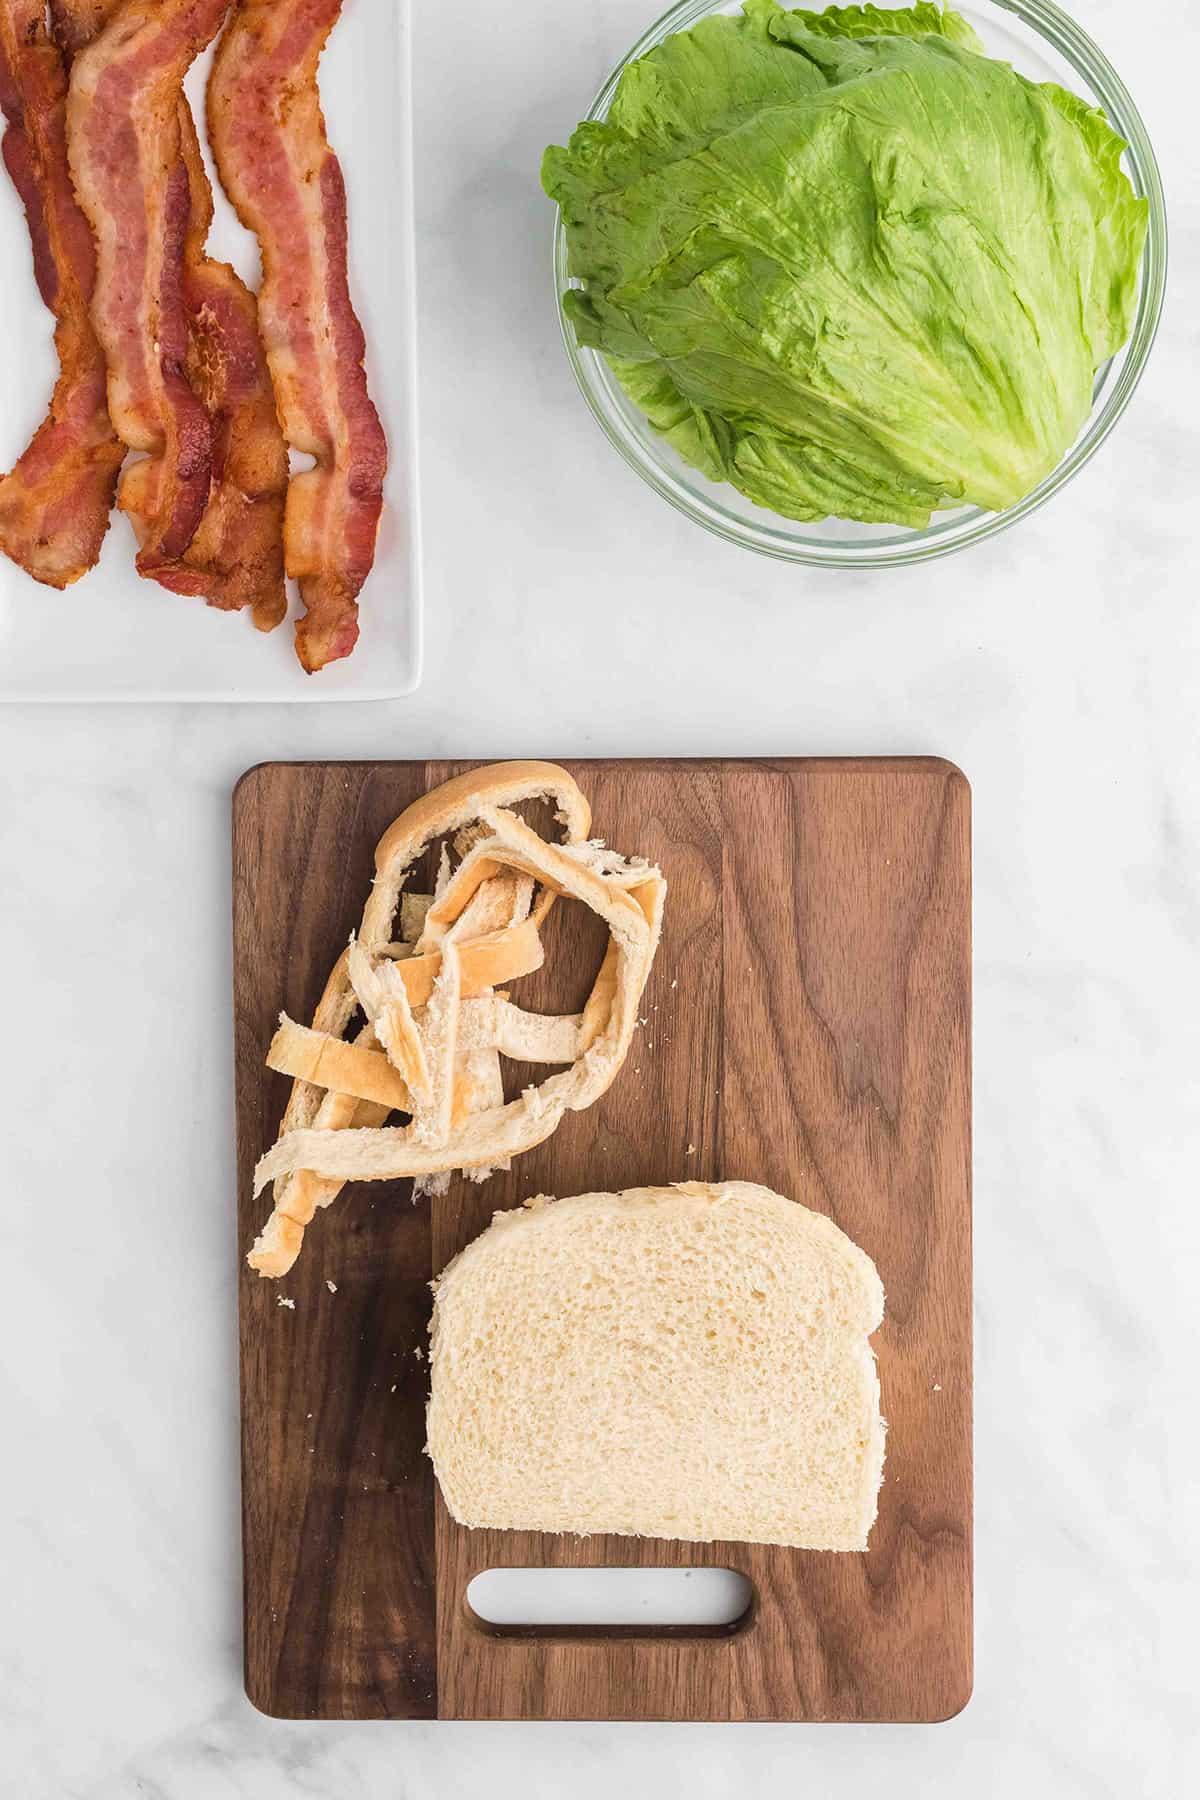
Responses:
[642,1602]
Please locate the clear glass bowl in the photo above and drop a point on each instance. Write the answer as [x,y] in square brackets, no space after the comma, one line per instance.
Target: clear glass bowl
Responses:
[1042,43]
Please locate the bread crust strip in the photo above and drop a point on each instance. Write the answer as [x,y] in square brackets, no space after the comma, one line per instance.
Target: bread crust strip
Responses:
[629,899]
[452,808]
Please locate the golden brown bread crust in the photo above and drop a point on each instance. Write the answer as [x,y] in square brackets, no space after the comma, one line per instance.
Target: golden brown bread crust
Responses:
[433,1016]
[455,804]
[337,1066]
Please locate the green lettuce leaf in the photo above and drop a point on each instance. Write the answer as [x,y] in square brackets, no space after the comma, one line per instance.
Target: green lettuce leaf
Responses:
[847,262]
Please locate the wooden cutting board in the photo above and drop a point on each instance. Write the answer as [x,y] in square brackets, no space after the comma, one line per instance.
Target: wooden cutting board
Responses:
[808,1026]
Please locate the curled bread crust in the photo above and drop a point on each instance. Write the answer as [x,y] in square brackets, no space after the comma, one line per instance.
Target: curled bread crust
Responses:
[480,922]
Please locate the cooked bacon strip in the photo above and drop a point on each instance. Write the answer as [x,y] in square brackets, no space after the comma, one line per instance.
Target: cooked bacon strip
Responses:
[54,505]
[126,150]
[76,23]
[235,557]
[268,137]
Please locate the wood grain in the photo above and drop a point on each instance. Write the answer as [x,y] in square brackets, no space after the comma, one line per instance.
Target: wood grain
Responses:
[808,1026]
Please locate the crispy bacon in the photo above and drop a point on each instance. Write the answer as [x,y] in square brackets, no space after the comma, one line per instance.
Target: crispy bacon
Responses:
[268,137]
[126,159]
[76,23]
[55,504]
[235,556]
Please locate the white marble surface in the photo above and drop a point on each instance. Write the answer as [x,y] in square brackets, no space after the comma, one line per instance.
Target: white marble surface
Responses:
[571,612]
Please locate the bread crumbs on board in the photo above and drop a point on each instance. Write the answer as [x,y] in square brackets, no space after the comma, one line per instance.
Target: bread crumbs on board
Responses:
[282,1300]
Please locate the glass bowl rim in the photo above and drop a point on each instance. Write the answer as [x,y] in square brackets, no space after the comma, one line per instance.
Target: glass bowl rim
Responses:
[1058,29]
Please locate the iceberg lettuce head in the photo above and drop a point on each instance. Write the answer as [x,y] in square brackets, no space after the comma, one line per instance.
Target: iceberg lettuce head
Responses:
[849,263]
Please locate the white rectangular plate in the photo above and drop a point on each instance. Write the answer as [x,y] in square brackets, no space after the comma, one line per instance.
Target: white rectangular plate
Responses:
[114,636]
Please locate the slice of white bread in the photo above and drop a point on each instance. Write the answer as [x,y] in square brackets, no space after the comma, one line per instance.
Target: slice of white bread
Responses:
[677,1362]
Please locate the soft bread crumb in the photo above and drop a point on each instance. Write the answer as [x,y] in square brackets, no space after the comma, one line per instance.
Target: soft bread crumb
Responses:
[332,1286]
[595,855]
[430,1186]
[689,1362]
[282,1300]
